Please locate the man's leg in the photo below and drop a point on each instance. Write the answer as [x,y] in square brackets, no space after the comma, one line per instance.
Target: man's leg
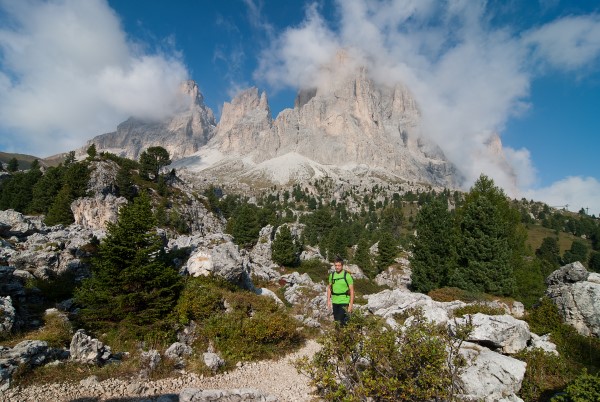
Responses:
[339,313]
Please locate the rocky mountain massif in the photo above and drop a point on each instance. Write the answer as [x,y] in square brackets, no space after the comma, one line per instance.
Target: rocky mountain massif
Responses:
[354,126]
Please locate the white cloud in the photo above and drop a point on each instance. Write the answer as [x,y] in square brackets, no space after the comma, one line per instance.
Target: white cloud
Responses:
[569,43]
[297,55]
[577,192]
[469,76]
[68,73]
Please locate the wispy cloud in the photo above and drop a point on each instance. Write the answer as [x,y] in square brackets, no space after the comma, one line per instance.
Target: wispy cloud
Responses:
[68,73]
[469,75]
[576,192]
[570,43]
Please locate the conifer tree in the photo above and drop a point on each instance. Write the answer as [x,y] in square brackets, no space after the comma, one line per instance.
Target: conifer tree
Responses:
[284,248]
[60,210]
[362,258]
[388,251]
[16,191]
[77,176]
[129,279]
[13,165]
[91,151]
[69,159]
[124,183]
[152,160]
[335,243]
[549,255]
[46,189]
[577,252]
[594,262]
[491,241]
[245,226]
[433,249]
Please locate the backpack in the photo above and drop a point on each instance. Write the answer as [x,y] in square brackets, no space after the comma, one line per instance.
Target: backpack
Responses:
[332,281]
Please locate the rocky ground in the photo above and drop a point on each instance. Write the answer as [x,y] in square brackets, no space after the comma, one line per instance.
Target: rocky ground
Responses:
[278,379]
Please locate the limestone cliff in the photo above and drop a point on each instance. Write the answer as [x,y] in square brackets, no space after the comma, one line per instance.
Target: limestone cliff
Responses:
[346,122]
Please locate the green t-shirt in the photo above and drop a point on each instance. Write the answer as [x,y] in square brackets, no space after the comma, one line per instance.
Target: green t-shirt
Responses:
[339,286]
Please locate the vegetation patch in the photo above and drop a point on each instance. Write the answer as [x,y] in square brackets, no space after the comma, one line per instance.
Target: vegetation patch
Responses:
[242,325]
[478,308]
[368,360]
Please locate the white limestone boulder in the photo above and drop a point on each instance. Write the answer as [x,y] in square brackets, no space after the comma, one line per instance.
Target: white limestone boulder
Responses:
[499,332]
[490,376]
[576,294]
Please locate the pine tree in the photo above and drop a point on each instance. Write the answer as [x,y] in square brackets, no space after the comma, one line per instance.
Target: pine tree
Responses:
[549,255]
[69,159]
[152,161]
[577,252]
[362,258]
[335,243]
[594,262]
[91,151]
[284,248]
[60,210]
[16,191]
[13,165]
[124,183]
[129,279]
[433,249]
[388,250]
[491,241]
[46,189]
[244,226]
[77,176]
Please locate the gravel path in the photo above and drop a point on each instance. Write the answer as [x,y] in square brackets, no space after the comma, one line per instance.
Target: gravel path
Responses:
[276,378]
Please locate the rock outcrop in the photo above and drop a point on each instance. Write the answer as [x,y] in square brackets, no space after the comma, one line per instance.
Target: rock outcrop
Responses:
[218,255]
[30,353]
[7,316]
[576,293]
[490,376]
[389,303]
[503,333]
[350,121]
[88,350]
[96,212]
[13,223]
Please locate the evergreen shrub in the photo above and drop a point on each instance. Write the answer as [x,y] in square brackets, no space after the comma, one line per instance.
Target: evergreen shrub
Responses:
[586,387]
[252,326]
[368,360]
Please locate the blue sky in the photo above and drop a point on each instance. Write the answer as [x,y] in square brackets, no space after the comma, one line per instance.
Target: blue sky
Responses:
[528,71]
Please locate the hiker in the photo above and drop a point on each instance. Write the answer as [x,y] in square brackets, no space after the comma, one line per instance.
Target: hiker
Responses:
[340,292]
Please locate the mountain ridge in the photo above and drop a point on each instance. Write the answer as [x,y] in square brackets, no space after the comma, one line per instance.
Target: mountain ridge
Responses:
[350,122]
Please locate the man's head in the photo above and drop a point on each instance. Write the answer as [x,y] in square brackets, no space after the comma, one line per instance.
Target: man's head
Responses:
[338,263]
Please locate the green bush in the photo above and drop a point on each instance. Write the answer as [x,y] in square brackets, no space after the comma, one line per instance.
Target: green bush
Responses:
[317,270]
[200,298]
[254,327]
[584,388]
[581,351]
[369,360]
[478,308]
[367,287]
[448,294]
[546,374]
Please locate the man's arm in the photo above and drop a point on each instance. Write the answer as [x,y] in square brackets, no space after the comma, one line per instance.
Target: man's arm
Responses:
[329,296]
[351,286]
